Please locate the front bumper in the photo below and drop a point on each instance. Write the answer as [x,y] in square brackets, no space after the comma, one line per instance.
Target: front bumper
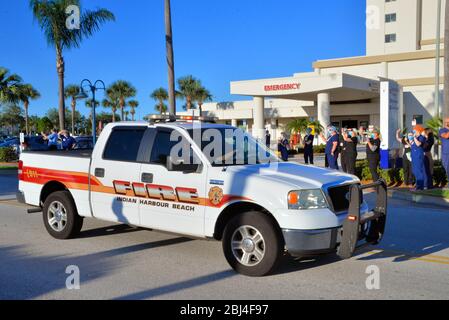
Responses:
[357,227]
[310,242]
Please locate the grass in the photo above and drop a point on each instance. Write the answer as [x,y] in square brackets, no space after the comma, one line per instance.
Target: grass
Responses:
[436,193]
[8,166]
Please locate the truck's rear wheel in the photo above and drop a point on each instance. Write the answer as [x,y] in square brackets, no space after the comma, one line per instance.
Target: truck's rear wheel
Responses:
[252,244]
[60,216]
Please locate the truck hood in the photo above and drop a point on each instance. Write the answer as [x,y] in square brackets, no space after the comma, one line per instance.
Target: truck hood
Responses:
[293,174]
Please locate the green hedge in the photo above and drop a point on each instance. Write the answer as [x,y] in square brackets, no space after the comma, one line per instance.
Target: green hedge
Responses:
[7,154]
[396,175]
[316,149]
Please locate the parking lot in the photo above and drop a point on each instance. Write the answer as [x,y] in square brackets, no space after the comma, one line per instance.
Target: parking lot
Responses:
[121,262]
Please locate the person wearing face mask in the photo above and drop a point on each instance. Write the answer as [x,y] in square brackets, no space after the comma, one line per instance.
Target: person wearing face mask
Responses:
[444,136]
[308,146]
[406,141]
[332,147]
[428,159]
[373,154]
[348,151]
[418,162]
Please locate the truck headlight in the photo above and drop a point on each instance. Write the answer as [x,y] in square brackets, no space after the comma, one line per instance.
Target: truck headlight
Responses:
[306,200]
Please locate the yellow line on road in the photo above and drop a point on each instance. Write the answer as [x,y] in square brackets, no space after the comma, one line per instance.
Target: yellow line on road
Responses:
[425,257]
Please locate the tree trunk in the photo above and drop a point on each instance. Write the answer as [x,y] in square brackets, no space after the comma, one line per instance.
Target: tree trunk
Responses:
[189,103]
[200,108]
[73,117]
[446,62]
[113,115]
[132,114]
[61,69]
[122,113]
[170,59]
[25,106]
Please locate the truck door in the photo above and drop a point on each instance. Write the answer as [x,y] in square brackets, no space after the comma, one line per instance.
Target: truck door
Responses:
[173,200]
[114,171]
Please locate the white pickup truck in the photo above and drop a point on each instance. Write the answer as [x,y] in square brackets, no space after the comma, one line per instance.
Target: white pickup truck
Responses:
[258,206]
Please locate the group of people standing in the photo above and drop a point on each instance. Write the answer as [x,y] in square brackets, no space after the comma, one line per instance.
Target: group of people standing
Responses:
[417,160]
[345,145]
[417,157]
[67,142]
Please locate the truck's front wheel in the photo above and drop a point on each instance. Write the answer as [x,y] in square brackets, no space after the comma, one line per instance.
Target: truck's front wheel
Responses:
[252,244]
[60,216]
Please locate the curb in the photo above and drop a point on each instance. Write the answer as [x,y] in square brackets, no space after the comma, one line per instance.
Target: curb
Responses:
[418,198]
[7,172]
[7,197]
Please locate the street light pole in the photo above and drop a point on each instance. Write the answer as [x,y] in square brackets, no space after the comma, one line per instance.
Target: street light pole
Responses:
[437,61]
[93,88]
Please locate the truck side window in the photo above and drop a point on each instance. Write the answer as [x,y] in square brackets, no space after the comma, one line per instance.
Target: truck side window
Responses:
[162,147]
[123,144]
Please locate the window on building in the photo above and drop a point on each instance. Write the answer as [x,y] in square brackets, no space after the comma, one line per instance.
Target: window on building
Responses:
[389,38]
[418,118]
[391,17]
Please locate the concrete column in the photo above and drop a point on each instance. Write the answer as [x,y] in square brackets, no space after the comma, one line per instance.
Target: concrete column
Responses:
[258,130]
[324,110]
[383,72]
[234,122]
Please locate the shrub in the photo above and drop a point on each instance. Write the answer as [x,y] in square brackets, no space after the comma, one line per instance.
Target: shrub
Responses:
[7,154]
[316,149]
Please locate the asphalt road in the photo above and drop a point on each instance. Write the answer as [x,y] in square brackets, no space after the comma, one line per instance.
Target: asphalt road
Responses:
[120,262]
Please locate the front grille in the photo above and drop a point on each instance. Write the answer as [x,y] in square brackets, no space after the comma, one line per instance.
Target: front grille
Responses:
[339,197]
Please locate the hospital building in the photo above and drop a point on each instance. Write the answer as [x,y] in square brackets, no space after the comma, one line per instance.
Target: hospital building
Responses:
[345,91]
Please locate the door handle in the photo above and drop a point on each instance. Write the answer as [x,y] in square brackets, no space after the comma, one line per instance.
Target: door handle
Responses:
[147,177]
[99,172]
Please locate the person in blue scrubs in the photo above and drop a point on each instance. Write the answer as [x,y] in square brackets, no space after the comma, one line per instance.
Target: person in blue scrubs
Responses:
[444,136]
[283,147]
[418,162]
[332,147]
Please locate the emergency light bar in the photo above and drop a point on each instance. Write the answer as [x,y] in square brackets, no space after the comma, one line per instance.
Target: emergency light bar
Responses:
[157,118]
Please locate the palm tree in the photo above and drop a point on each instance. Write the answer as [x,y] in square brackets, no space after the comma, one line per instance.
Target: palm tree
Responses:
[72,91]
[202,95]
[51,18]
[188,86]
[298,125]
[133,104]
[317,125]
[170,59]
[160,95]
[111,102]
[446,62]
[9,84]
[122,90]
[25,93]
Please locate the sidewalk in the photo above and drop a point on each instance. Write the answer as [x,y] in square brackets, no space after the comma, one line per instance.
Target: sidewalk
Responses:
[417,197]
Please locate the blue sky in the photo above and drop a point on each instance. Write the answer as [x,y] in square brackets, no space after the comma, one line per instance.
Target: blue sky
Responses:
[215,40]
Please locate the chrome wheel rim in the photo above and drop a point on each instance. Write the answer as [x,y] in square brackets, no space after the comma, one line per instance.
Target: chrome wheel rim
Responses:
[57,216]
[248,246]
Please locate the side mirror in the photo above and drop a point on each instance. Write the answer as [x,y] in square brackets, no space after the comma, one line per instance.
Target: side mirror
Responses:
[182,167]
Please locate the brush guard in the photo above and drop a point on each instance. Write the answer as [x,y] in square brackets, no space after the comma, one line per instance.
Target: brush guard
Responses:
[367,229]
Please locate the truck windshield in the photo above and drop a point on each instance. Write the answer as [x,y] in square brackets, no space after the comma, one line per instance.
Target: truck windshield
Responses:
[231,146]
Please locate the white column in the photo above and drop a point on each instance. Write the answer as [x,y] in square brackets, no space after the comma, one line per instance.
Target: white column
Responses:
[234,122]
[258,130]
[383,70]
[324,110]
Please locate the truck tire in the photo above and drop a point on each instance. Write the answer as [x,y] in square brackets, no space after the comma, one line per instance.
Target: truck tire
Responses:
[60,216]
[252,244]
